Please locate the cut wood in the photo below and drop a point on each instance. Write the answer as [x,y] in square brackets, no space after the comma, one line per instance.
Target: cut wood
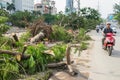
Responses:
[15,37]
[37,37]
[13,53]
[24,49]
[68,50]
[55,65]
[49,52]
[68,55]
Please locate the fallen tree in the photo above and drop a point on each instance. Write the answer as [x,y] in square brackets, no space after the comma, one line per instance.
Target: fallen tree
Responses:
[39,26]
[13,53]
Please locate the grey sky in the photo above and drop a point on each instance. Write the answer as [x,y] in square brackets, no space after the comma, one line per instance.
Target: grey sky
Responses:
[106,6]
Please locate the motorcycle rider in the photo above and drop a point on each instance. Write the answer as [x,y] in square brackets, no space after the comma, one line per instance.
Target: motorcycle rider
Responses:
[97,28]
[106,30]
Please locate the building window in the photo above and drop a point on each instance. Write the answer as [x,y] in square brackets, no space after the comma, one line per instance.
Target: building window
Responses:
[39,6]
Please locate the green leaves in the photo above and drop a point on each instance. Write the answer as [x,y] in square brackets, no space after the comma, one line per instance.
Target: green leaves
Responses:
[21,19]
[3,19]
[59,51]
[90,13]
[38,59]
[4,13]
[60,34]
[116,8]
[3,28]
[9,70]
[31,65]
[117,12]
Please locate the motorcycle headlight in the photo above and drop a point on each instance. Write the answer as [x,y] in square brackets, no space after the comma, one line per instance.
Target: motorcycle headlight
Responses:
[109,41]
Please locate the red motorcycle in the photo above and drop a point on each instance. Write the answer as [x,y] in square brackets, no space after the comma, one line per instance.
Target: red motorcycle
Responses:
[109,43]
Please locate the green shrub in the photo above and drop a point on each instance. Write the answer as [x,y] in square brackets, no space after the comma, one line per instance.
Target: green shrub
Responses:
[5,43]
[21,19]
[3,29]
[82,35]
[3,26]
[4,13]
[83,46]
[39,59]
[60,34]
[24,37]
[9,69]
[59,51]
[3,19]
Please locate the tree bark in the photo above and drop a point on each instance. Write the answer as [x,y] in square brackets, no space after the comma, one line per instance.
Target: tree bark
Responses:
[37,37]
[23,57]
[15,37]
[55,65]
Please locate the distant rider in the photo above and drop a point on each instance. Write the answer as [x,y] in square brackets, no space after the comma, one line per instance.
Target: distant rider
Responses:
[106,30]
[97,28]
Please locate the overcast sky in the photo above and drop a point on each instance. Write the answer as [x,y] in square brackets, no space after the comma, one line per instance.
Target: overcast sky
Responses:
[106,6]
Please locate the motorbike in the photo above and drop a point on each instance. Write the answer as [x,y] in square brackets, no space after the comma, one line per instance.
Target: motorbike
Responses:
[97,30]
[109,43]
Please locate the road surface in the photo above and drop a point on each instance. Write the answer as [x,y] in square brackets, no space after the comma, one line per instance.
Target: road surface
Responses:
[104,67]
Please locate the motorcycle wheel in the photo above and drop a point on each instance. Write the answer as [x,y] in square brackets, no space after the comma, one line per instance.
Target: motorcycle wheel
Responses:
[110,50]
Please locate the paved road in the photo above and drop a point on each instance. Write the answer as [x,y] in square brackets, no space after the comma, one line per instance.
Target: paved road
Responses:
[104,67]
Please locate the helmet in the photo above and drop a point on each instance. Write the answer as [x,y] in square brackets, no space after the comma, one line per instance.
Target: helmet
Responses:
[108,23]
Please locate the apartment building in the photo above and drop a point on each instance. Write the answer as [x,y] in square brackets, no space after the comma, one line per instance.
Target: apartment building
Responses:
[46,7]
[22,5]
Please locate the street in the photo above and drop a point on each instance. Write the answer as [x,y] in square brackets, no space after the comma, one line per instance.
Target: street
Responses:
[104,67]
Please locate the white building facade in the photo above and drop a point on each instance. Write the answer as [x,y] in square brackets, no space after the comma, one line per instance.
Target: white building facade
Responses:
[22,5]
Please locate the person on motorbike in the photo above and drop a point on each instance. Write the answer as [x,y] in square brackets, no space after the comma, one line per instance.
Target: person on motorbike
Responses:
[97,28]
[106,30]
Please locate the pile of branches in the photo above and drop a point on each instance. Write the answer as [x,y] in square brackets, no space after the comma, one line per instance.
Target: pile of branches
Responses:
[40,26]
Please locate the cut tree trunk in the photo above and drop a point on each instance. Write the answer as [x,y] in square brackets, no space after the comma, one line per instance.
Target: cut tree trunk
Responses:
[37,37]
[55,65]
[15,37]
[13,53]
[68,50]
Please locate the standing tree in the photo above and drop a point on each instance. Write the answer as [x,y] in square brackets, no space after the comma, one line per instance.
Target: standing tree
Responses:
[90,13]
[116,8]
[117,12]
[4,13]
[10,7]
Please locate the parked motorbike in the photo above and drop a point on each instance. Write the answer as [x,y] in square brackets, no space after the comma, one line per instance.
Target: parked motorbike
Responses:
[109,43]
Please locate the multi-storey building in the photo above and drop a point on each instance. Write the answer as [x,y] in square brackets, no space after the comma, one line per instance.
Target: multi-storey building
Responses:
[69,6]
[22,5]
[46,7]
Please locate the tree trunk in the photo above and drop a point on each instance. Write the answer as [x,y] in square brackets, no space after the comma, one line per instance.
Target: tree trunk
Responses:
[37,37]
[55,65]
[23,57]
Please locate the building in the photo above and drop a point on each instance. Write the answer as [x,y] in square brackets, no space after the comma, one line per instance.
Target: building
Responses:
[54,9]
[22,5]
[38,7]
[69,6]
[3,3]
[46,7]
